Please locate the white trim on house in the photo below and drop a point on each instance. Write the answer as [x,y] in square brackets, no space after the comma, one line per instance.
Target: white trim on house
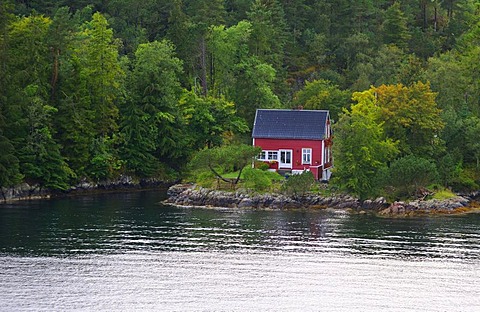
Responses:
[288,163]
[306,156]
[299,171]
[267,155]
[322,162]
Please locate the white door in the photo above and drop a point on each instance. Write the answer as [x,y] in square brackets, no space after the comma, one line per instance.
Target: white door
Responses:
[285,161]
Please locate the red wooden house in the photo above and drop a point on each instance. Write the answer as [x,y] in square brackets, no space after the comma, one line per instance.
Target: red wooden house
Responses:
[293,141]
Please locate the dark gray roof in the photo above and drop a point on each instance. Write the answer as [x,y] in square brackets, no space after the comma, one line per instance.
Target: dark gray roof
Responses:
[290,124]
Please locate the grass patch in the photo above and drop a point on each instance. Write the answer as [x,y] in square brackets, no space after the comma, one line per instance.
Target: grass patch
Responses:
[232,175]
[443,194]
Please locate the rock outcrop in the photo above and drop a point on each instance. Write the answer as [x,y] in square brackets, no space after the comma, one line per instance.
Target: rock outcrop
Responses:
[190,195]
[26,191]
[432,206]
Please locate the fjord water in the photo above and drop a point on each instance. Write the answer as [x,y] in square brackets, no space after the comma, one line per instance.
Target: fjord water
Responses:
[129,252]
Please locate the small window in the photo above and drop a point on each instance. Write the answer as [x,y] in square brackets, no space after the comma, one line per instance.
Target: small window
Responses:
[272,155]
[306,156]
[268,155]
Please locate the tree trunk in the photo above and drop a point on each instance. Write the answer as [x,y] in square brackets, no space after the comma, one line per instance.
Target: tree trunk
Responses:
[424,15]
[203,66]
[218,175]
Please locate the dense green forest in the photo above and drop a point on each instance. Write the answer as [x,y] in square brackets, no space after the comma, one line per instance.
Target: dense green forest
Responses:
[95,89]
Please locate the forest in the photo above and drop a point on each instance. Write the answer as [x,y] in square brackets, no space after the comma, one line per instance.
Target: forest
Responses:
[91,90]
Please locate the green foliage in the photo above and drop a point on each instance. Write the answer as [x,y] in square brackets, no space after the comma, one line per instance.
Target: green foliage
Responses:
[260,180]
[101,71]
[256,180]
[298,184]
[206,179]
[261,165]
[138,144]
[268,31]
[450,167]
[471,141]
[443,194]
[322,94]
[104,164]
[411,117]
[466,181]
[361,147]
[209,121]
[253,88]
[168,78]
[224,159]
[395,29]
[152,124]
[9,165]
[230,48]
[411,173]
[446,76]
[388,64]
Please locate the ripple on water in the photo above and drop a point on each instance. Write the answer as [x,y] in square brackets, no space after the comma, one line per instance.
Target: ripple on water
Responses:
[246,280]
[129,253]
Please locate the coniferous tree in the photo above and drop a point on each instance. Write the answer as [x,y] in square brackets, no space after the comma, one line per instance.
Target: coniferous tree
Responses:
[152,123]
[27,110]
[395,28]
[268,31]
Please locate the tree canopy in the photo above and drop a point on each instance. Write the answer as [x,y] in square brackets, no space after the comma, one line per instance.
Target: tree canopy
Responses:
[95,89]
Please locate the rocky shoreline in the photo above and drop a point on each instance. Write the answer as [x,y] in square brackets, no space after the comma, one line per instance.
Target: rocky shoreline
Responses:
[192,196]
[25,191]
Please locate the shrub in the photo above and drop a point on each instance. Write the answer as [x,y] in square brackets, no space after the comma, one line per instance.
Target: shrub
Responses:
[443,194]
[206,179]
[465,181]
[298,184]
[259,180]
[410,173]
[261,165]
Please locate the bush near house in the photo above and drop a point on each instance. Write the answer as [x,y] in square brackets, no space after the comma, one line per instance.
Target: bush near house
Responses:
[260,180]
[298,184]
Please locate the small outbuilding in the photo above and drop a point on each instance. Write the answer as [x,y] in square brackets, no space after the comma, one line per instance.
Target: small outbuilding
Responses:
[294,141]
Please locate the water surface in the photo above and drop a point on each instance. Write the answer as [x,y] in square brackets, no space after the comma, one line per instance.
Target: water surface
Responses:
[128,252]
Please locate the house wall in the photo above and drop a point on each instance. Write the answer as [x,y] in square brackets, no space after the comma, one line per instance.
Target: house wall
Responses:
[296,147]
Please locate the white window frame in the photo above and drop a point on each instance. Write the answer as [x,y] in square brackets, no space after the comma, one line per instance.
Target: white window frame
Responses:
[272,155]
[267,155]
[306,156]
[285,165]
[327,154]
[262,155]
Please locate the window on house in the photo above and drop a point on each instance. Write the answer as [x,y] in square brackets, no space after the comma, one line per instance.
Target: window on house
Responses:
[306,156]
[268,155]
[272,155]
[262,156]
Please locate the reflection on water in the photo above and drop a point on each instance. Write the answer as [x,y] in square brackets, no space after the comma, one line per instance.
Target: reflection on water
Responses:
[128,252]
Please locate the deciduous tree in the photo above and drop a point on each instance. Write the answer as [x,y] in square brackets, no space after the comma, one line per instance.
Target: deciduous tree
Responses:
[411,117]
[361,147]
[322,94]
[229,158]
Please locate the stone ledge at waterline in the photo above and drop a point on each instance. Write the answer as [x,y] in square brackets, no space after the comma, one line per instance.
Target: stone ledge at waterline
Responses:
[190,195]
[26,191]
